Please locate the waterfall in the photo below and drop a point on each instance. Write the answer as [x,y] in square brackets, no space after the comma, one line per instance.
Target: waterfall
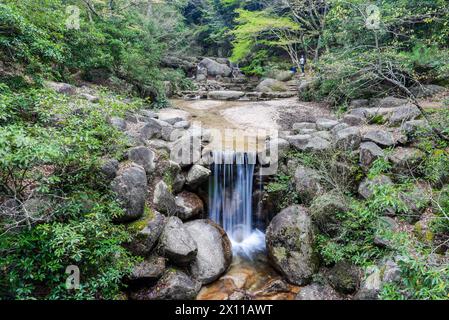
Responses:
[230,200]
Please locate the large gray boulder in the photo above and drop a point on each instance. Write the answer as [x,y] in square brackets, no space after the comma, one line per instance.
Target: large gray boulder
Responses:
[316,291]
[176,243]
[348,139]
[214,250]
[214,68]
[173,285]
[369,152]
[148,270]
[163,199]
[188,205]
[290,241]
[380,137]
[197,175]
[225,95]
[270,85]
[404,113]
[324,211]
[142,156]
[130,185]
[307,183]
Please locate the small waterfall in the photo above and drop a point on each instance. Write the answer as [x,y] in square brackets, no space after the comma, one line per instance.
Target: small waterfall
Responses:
[230,199]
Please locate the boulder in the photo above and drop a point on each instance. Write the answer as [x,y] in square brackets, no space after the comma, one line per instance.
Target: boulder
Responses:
[358,103]
[214,250]
[290,241]
[307,183]
[303,125]
[214,68]
[184,124]
[388,102]
[413,127]
[147,233]
[354,120]
[176,243]
[324,211]
[309,143]
[325,124]
[316,291]
[283,75]
[109,168]
[339,127]
[367,186]
[188,205]
[173,285]
[118,123]
[130,185]
[270,85]
[142,156]
[380,137]
[61,87]
[403,114]
[371,285]
[178,183]
[369,152]
[149,270]
[197,175]
[405,160]
[348,139]
[225,95]
[163,199]
[153,129]
[344,277]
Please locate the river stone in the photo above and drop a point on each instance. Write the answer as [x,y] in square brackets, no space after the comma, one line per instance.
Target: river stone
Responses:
[163,199]
[176,243]
[325,124]
[214,68]
[270,85]
[142,156]
[380,137]
[348,138]
[344,277]
[189,205]
[369,152]
[290,241]
[148,233]
[403,114]
[214,250]
[366,187]
[148,270]
[307,183]
[316,291]
[197,175]
[131,188]
[225,95]
[173,285]
[324,211]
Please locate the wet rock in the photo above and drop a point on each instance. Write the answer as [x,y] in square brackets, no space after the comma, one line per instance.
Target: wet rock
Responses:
[147,233]
[380,137]
[130,185]
[316,291]
[348,139]
[173,285]
[369,152]
[148,270]
[189,205]
[324,211]
[142,156]
[307,183]
[344,277]
[214,254]
[367,186]
[197,175]
[163,199]
[176,243]
[240,295]
[403,114]
[290,239]
[325,124]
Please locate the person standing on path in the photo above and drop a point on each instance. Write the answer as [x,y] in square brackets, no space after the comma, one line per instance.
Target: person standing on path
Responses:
[302,63]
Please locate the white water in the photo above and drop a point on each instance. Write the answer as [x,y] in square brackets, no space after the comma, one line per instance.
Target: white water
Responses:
[230,200]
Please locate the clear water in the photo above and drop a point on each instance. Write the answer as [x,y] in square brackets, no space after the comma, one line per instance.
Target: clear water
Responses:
[230,200]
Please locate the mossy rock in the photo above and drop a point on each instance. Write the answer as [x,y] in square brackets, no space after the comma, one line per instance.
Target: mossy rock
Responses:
[325,210]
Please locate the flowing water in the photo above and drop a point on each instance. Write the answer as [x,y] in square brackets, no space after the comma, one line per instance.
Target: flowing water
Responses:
[230,200]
